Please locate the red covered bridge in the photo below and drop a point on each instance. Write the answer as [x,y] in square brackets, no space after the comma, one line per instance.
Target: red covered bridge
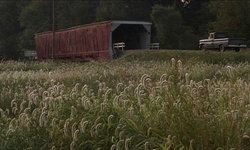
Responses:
[93,41]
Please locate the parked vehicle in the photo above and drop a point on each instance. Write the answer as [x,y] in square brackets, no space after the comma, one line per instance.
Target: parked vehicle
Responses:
[221,41]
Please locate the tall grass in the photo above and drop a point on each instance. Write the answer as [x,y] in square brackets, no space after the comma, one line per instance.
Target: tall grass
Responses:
[164,104]
[212,56]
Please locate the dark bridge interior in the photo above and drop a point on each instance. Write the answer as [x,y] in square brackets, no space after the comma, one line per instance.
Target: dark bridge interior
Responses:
[130,34]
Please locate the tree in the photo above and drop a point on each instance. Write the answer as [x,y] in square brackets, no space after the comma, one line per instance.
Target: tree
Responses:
[35,17]
[74,13]
[196,14]
[171,32]
[232,17]
[177,26]
[204,17]
[10,30]
[124,10]
[112,10]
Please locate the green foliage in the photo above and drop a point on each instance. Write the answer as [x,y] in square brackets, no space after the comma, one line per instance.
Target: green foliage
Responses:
[195,56]
[238,25]
[74,13]
[204,19]
[34,18]
[124,10]
[10,30]
[196,15]
[171,32]
[112,10]
[9,47]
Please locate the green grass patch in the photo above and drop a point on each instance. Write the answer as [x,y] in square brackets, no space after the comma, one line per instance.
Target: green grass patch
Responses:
[214,57]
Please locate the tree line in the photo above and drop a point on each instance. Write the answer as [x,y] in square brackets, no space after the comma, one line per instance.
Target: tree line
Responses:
[176,24]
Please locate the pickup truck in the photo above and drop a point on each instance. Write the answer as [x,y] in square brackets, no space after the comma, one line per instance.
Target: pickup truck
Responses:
[221,41]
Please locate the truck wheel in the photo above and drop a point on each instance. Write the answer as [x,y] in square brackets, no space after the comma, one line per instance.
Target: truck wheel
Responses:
[222,48]
[203,48]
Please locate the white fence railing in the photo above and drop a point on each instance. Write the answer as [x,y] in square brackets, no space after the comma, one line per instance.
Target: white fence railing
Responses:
[154,45]
[30,54]
[119,45]
[118,49]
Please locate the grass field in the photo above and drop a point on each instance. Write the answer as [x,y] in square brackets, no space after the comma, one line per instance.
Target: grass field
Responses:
[144,100]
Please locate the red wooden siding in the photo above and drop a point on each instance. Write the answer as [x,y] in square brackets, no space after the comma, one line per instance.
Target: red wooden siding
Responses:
[84,42]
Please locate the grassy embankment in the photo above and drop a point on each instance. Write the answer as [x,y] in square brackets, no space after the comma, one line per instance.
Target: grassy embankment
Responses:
[144,100]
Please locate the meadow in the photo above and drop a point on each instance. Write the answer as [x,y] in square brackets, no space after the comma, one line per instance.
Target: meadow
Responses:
[142,101]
